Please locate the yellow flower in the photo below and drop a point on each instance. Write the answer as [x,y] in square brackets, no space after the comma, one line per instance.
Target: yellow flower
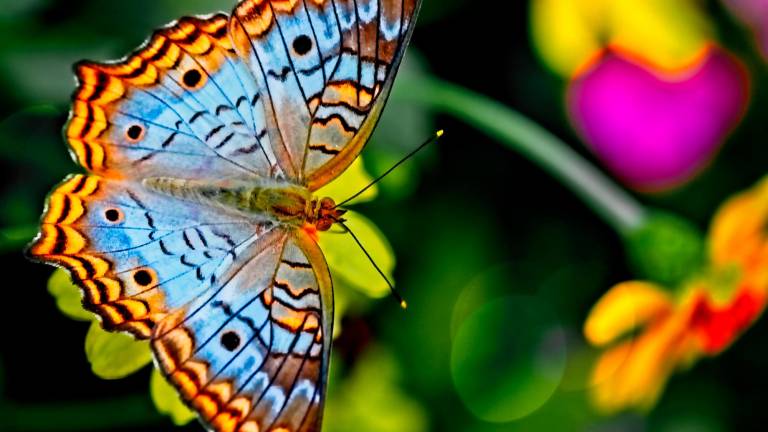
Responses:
[115,355]
[568,34]
[674,328]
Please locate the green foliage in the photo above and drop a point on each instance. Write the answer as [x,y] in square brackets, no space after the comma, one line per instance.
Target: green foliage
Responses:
[349,183]
[370,400]
[115,355]
[168,401]
[403,126]
[504,373]
[350,266]
[666,249]
[349,263]
[68,296]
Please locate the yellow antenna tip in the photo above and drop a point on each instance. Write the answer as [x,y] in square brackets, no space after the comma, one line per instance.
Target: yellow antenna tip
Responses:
[404,304]
[440,133]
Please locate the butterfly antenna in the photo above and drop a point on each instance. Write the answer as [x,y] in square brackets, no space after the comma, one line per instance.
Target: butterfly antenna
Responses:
[398,297]
[431,140]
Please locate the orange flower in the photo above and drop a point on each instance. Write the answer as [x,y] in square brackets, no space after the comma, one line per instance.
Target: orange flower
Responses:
[673,329]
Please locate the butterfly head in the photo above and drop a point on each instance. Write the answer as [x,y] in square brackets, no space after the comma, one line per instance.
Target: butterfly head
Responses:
[326,214]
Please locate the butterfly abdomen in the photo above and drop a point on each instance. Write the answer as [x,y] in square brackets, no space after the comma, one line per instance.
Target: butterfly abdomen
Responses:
[281,201]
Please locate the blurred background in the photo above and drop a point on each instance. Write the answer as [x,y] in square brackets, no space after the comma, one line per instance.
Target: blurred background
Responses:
[501,262]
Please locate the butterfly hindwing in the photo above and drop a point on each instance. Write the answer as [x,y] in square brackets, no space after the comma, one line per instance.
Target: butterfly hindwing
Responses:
[326,68]
[184,104]
[252,354]
[136,254]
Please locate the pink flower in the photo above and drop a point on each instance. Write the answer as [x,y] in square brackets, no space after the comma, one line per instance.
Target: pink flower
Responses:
[656,129]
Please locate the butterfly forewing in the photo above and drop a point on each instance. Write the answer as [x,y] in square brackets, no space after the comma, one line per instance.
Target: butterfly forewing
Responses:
[182,105]
[327,67]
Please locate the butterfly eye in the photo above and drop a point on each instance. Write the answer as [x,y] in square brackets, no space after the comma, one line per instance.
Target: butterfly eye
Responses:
[230,341]
[302,45]
[144,277]
[113,215]
[134,133]
[192,79]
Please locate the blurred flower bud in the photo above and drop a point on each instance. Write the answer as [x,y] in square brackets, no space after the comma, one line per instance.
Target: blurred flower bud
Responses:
[667,249]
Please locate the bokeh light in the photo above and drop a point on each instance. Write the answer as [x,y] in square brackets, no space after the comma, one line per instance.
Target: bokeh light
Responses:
[508,358]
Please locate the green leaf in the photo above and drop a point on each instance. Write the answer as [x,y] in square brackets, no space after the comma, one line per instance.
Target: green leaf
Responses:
[370,399]
[340,307]
[115,355]
[347,261]
[666,249]
[348,300]
[354,179]
[68,296]
[168,401]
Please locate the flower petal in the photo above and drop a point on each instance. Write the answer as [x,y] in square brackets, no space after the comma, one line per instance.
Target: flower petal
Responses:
[68,296]
[348,261]
[167,400]
[623,308]
[604,376]
[720,325]
[670,35]
[115,355]
[653,129]
[569,33]
[634,373]
[565,32]
[738,228]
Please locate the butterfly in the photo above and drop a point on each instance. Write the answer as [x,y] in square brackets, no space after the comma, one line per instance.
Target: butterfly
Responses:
[196,223]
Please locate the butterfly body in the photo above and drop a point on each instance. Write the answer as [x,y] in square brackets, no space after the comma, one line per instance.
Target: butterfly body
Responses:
[195,223]
[280,201]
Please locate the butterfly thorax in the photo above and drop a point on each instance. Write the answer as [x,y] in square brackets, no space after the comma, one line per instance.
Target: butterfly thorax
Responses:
[282,201]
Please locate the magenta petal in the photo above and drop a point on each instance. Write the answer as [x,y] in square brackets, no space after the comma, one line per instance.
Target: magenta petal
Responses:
[653,130]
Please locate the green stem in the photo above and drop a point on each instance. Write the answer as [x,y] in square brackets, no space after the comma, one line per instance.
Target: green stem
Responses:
[611,202]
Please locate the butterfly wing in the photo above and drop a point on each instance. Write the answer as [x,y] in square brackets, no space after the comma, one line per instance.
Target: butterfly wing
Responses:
[183,105]
[239,310]
[326,67]
[137,255]
[252,353]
